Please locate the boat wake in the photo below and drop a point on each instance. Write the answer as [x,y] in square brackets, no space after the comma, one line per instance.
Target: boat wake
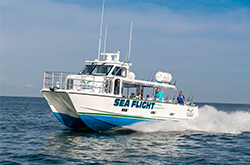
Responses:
[209,120]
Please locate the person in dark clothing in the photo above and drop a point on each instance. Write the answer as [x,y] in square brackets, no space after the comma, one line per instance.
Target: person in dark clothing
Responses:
[181,98]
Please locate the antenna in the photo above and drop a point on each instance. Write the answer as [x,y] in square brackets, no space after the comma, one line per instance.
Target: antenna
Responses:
[130,40]
[100,38]
[106,30]
[126,56]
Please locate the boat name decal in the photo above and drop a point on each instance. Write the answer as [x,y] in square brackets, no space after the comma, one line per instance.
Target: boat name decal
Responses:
[190,113]
[134,103]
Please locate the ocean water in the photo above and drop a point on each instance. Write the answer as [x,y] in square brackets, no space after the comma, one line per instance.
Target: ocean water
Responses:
[30,134]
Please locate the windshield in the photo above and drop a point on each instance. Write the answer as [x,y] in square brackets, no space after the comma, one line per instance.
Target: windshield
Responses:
[101,70]
[87,69]
[118,71]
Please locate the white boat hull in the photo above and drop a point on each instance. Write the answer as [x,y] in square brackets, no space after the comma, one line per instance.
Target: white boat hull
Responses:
[63,109]
[102,112]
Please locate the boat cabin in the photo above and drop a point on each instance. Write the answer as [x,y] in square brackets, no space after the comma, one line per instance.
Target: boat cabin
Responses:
[109,77]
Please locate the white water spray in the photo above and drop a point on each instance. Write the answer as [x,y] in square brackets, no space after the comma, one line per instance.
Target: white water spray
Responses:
[209,120]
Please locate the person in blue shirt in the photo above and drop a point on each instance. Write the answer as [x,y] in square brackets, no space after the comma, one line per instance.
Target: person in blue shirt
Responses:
[158,95]
[181,98]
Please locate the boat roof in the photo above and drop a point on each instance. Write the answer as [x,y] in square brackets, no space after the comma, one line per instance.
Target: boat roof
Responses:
[148,84]
[110,60]
[97,62]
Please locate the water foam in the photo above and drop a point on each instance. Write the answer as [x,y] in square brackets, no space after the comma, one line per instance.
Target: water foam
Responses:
[210,120]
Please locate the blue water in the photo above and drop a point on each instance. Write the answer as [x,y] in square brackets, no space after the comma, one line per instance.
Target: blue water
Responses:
[30,134]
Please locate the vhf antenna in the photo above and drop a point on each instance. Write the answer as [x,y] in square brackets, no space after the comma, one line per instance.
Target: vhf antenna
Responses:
[130,41]
[126,56]
[105,40]
[100,38]
[195,94]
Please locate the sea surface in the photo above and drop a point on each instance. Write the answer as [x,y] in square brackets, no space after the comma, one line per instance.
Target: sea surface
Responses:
[30,134]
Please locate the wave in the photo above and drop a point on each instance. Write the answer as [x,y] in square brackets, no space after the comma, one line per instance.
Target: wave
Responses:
[209,120]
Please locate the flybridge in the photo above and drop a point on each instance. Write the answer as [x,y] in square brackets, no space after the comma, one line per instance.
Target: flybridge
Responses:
[109,56]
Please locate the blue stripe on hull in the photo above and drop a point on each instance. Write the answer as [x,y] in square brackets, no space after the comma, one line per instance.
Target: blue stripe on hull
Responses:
[105,123]
[71,122]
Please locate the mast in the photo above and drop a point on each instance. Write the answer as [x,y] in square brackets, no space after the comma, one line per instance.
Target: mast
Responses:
[100,38]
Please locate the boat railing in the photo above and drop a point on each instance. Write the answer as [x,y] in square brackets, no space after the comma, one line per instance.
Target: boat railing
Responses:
[76,82]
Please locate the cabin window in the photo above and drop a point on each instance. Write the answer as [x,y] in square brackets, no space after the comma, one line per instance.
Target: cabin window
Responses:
[118,71]
[70,83]
[87,69]
[101,70]
[117,87]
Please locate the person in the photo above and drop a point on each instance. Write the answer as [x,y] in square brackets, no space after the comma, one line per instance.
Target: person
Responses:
[138,96]
[181,98]
[148,97]
[158,95]
[132,96]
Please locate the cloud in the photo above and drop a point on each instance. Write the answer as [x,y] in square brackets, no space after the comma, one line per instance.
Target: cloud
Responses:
[29,85]
[13,83]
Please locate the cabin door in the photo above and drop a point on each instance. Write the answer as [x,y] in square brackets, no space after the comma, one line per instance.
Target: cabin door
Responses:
[117,87]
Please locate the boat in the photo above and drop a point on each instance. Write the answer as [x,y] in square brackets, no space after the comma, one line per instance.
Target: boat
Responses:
[98,97]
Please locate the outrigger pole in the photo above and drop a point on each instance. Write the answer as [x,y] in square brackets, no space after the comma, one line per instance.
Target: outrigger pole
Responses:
[100,38]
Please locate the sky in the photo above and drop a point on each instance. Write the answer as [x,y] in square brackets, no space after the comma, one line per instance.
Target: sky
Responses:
[207,41]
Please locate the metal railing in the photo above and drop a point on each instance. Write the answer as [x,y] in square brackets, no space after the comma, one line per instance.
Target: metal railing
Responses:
[77,82]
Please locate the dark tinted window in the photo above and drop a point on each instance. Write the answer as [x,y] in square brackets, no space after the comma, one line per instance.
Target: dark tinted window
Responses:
[101,70]
[118,71]
[87,69]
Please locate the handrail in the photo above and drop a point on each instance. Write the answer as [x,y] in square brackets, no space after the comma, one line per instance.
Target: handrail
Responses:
[75,82]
